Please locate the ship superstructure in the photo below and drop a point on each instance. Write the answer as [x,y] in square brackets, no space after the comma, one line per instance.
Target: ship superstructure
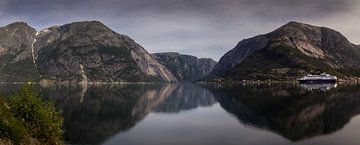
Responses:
[322,78]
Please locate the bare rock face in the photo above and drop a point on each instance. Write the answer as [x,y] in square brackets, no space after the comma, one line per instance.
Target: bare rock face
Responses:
[90,51]
[80,51]
[16,53]
[185,67]
[288,53]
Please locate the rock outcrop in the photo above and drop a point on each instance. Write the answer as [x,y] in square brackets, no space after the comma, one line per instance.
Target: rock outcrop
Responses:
[16,53]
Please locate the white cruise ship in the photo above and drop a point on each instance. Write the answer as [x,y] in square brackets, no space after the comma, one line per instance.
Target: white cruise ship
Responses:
[322,78]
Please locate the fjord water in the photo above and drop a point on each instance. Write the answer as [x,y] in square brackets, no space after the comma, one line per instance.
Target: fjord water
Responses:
[177,114]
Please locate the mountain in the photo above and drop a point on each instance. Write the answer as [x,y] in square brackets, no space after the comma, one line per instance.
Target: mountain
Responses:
[16,57]
[289,52]
[79,51]
[185,67]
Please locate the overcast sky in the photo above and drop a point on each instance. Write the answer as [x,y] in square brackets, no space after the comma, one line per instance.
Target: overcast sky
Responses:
[204,28]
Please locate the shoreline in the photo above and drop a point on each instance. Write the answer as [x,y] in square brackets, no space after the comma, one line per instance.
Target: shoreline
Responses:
[272,82]
[79,83]
[47,82]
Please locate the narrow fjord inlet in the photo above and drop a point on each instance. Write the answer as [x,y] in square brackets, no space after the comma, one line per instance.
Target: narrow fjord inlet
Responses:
[179,72]
[161,114]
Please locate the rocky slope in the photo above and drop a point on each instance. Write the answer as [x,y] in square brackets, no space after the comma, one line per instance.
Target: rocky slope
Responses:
[16,60]
[80,51]
[185,67]
[288,53]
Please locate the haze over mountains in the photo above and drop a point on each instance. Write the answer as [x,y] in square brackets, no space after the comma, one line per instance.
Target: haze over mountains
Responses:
[89,51]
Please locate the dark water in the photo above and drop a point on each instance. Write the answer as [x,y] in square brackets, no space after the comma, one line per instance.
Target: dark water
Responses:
[188,114]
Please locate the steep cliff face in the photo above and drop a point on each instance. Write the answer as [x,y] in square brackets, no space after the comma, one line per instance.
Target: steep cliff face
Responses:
[80,51]
[289,52]
[16,53]
[90,51]
[185,67]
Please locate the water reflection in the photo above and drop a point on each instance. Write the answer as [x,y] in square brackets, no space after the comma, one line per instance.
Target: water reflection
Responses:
[185,97]
[291,111]
[323,87]
[109,113]
[95,113]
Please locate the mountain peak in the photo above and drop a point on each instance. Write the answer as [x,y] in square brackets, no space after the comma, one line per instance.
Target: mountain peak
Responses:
[298,24]
[86,23]
[16,52]
[168,53]
[294,23]
[94,22]
[85,26]
[18,24]
[296,27]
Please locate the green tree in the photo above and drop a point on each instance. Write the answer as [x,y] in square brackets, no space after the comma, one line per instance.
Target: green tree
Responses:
[25,116]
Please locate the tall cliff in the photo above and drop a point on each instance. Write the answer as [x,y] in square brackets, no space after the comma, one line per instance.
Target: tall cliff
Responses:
[16,53]
[185,67]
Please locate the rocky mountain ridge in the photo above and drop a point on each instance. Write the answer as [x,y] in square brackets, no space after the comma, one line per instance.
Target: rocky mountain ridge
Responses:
[16,43]
[79,51]
[185,67]
[289,52]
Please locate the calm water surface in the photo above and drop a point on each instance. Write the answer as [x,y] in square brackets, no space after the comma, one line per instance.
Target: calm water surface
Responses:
[179,114]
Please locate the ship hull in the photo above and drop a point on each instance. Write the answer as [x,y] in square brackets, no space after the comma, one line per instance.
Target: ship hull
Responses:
[317,81]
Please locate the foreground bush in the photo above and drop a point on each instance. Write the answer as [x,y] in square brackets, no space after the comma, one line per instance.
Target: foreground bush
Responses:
[26,119]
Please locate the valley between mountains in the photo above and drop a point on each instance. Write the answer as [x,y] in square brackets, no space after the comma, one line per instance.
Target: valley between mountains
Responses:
[89,51]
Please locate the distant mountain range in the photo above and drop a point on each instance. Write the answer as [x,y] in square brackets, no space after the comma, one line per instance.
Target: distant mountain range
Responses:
[82,51]
[89,51]
[185,67]
[289,52]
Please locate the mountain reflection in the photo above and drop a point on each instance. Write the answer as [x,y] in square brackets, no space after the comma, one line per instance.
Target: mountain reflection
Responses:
[94,113]
[186,97]
[289,110]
